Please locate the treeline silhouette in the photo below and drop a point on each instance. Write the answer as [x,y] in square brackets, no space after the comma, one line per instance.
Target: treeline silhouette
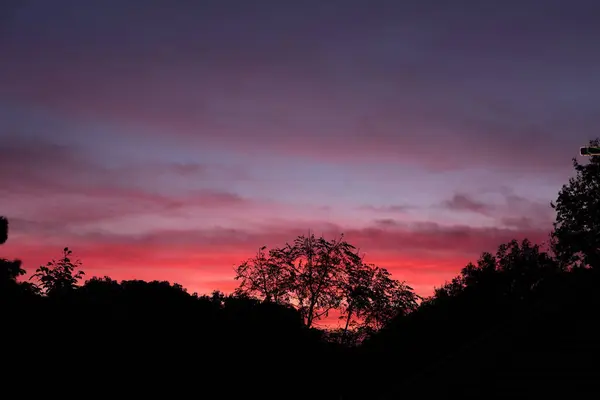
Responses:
[522,321]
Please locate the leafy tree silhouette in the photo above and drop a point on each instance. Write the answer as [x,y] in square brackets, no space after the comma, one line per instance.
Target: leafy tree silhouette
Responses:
[318,270]
[576,241]
[3,229]
[11,270]
[390,299]
[59,277]
[267,276]
[357,291]
[373,298]
[306,274]
[514,305]
[514,272]
[316,276]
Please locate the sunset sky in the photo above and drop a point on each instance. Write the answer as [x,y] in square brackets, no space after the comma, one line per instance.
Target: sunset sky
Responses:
[170,139]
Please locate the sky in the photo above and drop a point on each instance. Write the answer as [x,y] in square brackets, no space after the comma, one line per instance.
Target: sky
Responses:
[170,140]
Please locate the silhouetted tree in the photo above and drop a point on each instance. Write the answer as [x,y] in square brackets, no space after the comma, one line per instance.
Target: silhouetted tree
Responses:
[450,289]
[218,298]
[10,270]
[515,270]
[101,289]
[317,269]
[480,316]
[307,274]
[357,294]
[372,298]
[576,241]
[3,230]
[59,276]
[524,266]
[316,276]
[390,298]
[266,276]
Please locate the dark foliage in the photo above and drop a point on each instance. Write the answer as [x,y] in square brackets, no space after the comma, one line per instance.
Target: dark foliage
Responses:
[576,238]
[3,230]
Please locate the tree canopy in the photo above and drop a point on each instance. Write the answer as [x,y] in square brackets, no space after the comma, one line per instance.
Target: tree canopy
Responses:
[576,238]
[317,276]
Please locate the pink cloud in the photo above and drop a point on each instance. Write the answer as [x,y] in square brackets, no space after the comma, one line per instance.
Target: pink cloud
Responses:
[462,240]
[50,187]
[91,206]
[361,135]
[424,255]
[396,208]
[512,212]
[34,165]
[462,202]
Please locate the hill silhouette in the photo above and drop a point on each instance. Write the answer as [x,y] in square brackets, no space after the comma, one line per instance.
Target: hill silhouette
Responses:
[522,321]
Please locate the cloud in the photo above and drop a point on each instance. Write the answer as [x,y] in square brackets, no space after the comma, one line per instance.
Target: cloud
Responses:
[396,208]
[518,222]
[358,86]
[424,254]
[30,165]
[55,188]
[88,207]
[513,211]
[399,238]
[384,235]
[462,202]
[435,238]
[386,222]
[34,164]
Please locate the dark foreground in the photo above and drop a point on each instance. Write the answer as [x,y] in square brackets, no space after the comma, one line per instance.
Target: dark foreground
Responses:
[143,341]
